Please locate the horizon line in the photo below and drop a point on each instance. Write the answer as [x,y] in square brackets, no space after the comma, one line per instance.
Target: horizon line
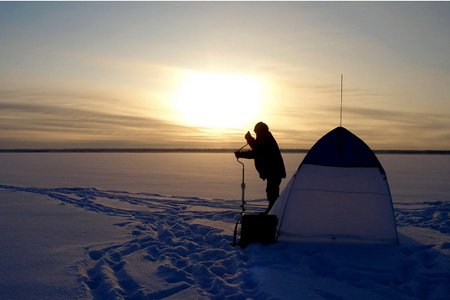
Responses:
[191,150]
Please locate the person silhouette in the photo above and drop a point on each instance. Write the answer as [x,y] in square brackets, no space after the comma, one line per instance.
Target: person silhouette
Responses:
[268,160]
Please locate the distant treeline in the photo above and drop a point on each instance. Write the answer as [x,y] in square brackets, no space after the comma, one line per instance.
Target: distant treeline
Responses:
[192,150]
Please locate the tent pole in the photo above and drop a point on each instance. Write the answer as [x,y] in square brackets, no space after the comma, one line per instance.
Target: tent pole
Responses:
[342,79]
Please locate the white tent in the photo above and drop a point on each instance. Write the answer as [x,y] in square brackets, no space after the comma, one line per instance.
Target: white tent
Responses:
[340,192]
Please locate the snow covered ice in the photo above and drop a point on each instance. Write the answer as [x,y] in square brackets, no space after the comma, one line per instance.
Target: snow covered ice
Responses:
[92,242]
[175,245]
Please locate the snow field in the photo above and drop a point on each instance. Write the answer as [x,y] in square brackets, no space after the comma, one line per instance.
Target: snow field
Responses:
[180,247]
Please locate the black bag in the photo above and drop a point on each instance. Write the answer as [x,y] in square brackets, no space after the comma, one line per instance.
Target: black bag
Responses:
[257,228]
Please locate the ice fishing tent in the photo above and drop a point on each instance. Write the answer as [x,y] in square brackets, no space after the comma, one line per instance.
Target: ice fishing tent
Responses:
[340,192]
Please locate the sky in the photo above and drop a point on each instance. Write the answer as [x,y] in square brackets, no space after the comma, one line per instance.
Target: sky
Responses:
[201,74]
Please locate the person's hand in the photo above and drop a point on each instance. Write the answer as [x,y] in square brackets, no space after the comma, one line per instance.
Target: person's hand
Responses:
[248,135]
[237,154]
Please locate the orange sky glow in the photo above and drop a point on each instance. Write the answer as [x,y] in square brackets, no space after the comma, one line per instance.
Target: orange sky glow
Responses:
[201,74]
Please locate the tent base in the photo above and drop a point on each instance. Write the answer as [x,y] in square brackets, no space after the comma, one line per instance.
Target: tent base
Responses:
[286,237]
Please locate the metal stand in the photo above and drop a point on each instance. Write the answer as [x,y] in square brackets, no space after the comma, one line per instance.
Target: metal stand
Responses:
[242,198]
[242,187]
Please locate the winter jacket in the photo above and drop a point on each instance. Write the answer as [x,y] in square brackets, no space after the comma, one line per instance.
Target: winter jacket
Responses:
[268,160]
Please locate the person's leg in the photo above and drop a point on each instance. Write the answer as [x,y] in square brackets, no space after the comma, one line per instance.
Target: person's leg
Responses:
[272,191]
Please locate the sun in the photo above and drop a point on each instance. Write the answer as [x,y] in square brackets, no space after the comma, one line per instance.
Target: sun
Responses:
[218,100]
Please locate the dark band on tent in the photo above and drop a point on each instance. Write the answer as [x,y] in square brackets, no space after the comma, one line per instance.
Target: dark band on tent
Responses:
[341,148]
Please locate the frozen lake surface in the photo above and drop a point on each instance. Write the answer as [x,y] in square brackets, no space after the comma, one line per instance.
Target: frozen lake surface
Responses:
[207,175]
[159,226]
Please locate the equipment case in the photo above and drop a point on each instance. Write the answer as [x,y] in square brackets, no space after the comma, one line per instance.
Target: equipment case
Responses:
[258,228]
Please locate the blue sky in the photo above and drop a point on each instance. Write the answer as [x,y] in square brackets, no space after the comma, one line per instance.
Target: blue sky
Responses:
[105,74]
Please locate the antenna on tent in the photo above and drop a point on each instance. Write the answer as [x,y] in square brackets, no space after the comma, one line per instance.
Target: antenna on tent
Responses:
[340,119]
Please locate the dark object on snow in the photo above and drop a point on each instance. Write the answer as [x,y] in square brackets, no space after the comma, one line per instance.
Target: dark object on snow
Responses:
[256,228]
[268,160]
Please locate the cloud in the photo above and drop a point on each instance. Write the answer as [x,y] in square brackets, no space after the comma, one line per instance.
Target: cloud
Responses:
[400,129]
[38,118]
[381,128]
[49,119]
